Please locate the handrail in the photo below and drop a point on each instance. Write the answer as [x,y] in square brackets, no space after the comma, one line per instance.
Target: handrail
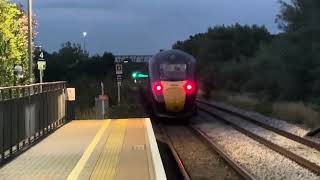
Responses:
[31,85]
[28,114]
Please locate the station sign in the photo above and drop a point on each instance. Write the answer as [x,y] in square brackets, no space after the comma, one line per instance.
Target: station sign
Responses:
[119,70]
[119,78]
[71,94]
[41,56]
[41,65]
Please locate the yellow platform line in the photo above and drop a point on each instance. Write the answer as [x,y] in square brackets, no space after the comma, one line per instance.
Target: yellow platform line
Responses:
[106,167]
[86,155]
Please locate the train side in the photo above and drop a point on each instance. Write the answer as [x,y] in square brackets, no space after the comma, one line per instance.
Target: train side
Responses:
[172,84]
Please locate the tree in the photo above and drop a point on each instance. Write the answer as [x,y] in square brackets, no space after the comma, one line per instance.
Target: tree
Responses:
[300,22]
[298,15]
[224,53]
[13,42]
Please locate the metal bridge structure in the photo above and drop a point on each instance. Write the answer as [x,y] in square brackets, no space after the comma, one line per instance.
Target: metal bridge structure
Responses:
[132,58]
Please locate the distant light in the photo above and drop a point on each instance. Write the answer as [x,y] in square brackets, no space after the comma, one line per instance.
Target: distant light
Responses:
[143,75]
[18,70]
[134,75]
[125,61]
[85,34]
[137,75]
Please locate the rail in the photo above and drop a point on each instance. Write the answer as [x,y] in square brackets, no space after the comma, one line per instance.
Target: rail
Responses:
[287,153]
[28,114]
[175,154]
[215,146]
[266,126]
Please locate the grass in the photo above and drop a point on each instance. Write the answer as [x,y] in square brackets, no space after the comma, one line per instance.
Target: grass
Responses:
[242,101]
[297,112]
[83,114]
[87,89]
[293,112]
[114,112]
[127,111]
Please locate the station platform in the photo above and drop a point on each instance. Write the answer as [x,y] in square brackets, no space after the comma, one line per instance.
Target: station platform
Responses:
[119,149]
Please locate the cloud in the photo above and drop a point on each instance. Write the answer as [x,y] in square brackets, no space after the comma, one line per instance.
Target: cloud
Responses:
[76,4]
[142,26]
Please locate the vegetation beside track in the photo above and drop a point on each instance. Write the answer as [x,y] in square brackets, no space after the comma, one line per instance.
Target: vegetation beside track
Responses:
[293,112]
[279,71]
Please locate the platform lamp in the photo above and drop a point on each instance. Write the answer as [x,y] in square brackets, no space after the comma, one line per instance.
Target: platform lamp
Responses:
[84,41]
[18,73]
[30,33]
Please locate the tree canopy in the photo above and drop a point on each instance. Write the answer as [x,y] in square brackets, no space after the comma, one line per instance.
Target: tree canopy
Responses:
[285,66]
[13,42]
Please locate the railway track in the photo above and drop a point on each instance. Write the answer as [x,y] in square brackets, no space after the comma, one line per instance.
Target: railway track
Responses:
[177,158]
[214,147]
[243,172]
[266,126]
[224,115]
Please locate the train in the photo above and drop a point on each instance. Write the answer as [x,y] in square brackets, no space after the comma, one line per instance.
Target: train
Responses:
[172,84]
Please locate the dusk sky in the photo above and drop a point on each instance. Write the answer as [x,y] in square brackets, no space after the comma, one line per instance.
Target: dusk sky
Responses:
[141,26]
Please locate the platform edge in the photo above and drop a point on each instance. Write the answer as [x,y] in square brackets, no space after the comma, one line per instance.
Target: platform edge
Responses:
[156,158]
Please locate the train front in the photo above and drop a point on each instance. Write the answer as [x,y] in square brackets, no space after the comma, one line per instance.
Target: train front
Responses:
[173,84]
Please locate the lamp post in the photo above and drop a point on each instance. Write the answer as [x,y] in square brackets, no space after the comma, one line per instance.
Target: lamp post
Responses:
[30,40]
[84,41]
[18,74]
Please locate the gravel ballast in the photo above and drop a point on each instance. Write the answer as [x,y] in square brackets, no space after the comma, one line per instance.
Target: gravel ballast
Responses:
[261,161]
[301,150]
[274,122]
[199,159]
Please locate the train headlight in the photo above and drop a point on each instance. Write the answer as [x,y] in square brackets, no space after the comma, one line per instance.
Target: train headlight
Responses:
[157,88]
[189,87]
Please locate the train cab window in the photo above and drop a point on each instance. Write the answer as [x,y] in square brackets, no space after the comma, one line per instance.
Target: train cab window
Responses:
[173,72]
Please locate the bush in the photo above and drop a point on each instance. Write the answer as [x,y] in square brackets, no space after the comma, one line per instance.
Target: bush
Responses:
[296,113]
[243,101]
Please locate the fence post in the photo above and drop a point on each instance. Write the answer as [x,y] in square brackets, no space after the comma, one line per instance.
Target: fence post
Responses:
[71,97]
[2,119]
[11,114]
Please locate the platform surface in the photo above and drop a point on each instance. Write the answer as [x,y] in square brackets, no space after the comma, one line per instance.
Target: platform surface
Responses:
[110,149]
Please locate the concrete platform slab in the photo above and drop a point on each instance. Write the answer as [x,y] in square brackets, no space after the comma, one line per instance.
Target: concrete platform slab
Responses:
[93,149]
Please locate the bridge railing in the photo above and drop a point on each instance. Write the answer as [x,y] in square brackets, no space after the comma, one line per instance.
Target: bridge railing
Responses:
[28,114]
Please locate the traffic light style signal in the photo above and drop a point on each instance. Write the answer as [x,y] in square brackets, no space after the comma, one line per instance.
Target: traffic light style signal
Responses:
[138,75]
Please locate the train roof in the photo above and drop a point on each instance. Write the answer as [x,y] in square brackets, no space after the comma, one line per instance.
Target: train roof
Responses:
[173,55]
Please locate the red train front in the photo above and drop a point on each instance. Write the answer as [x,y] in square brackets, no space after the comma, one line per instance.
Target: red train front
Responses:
[172,84]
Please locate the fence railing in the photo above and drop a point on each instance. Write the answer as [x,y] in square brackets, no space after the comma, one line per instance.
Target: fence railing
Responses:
[29,113]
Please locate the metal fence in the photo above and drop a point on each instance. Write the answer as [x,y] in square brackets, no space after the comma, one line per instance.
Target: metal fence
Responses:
[29,113]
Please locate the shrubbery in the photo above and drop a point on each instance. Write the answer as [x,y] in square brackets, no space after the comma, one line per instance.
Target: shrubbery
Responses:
[244,59]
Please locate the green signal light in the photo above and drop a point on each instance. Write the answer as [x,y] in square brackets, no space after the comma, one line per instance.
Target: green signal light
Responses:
[134,75]
[143,76]
[137,75]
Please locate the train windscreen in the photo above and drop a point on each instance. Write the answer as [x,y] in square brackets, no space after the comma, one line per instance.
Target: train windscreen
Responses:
[173,72]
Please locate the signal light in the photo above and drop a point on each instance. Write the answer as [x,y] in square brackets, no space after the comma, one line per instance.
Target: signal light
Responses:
[137,75]
[157,88]
[134,75]
[189,87]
